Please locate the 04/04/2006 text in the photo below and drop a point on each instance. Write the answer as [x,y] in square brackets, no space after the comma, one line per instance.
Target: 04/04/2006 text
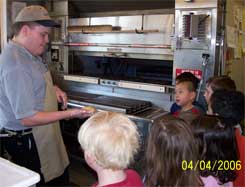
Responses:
[211,165]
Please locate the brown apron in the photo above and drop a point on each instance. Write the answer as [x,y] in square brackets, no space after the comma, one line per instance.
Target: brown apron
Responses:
[50,145]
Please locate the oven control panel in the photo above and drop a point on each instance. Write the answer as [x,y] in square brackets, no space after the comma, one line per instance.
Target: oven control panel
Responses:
[108,82]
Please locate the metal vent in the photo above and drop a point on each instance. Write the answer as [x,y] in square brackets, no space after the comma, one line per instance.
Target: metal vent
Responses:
[202,25]
[194,26]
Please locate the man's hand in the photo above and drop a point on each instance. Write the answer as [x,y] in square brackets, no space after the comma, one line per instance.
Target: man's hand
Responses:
[61,97]
[80,113]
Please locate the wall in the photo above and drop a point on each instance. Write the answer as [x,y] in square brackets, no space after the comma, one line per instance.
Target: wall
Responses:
[3,19]
[235,56]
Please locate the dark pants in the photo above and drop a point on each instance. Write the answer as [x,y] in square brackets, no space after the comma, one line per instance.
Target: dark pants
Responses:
[23,152]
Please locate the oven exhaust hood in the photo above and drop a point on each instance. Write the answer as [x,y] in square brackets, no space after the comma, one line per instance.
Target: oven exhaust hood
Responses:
[82,8]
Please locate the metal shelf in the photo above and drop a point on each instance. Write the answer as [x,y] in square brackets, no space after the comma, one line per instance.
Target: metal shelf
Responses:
[120,31]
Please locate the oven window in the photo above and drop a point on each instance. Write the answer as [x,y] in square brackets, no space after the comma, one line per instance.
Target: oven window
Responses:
[138,70]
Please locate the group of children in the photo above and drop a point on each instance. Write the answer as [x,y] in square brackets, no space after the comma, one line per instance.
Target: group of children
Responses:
[184,148]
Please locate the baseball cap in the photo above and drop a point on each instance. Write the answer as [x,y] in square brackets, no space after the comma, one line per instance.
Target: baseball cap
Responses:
[35,13]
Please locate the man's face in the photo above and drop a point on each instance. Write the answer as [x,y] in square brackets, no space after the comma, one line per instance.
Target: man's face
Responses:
[37,38]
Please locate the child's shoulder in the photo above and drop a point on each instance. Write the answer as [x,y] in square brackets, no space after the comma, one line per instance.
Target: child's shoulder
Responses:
[195,110]
[211,181]
[133,178]
[199,106]
[174,108]
[131,172]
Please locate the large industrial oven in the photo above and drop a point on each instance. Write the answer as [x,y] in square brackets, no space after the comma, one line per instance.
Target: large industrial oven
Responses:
[126,60]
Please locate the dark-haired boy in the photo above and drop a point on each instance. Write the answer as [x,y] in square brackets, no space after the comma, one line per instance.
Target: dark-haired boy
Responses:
[229,105]
[185,95]
[191,82]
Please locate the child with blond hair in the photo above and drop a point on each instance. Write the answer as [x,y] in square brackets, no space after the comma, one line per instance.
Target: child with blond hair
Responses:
[110,140]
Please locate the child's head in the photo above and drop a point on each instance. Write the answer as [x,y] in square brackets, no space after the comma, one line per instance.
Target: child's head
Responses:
[185,94]
[216,142]
[188,76]
[170,142]
[110,138]
[218,83]
[228,105]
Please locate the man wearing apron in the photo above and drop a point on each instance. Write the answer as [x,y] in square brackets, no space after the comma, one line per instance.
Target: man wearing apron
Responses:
[28,99]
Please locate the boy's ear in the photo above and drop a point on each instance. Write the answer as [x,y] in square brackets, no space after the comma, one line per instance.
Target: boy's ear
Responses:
[193,95]
[89,157]
[91,161]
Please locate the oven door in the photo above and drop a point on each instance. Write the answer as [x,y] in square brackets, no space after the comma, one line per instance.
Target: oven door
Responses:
[71,127]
